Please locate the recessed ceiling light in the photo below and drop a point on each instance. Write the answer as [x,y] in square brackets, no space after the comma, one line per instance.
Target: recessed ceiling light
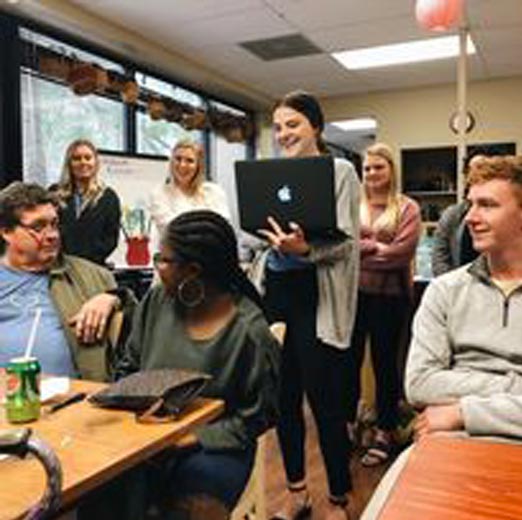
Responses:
[399,53]
[362,123]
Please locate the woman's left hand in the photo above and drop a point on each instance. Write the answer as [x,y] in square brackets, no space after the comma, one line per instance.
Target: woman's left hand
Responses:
[293,242]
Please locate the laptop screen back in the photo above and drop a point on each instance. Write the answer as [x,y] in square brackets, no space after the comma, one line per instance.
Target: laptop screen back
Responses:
[298,190]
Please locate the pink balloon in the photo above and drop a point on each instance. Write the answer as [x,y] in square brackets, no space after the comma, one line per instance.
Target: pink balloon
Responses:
[438,15]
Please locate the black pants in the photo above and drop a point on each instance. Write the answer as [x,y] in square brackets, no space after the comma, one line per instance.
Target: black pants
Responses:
[383,319]
[313,368]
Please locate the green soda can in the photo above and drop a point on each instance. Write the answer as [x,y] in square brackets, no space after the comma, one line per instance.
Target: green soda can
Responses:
[23,390]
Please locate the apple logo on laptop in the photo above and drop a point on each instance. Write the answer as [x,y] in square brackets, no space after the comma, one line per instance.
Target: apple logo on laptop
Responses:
[284,194]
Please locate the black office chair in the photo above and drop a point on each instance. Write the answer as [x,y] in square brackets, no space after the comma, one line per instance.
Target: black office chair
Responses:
[18,442]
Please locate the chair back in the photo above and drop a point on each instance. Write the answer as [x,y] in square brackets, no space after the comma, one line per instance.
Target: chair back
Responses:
[278,330]
[114,328]
[252,504]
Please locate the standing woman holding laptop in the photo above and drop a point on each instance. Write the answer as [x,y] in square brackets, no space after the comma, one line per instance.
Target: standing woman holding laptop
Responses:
[312,288]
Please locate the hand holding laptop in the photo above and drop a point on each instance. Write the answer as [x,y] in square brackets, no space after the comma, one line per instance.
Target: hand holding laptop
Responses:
[293,242]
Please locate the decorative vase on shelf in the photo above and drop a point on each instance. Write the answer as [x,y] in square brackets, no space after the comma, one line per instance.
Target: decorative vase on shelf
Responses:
[138,253]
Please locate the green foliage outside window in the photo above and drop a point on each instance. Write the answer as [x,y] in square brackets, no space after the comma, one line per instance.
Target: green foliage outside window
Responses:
[158,137]
[53,116]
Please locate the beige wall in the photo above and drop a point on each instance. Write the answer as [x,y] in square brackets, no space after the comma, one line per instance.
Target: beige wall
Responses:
[419,117]
[264,141]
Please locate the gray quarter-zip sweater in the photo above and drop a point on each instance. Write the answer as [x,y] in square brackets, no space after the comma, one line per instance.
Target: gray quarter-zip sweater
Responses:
[467,347]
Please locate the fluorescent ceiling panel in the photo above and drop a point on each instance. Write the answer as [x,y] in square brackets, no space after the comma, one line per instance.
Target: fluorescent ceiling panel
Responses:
[351,125]
[400,53]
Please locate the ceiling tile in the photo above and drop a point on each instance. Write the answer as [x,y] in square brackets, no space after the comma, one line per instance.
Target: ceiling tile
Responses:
[494,13]
[313,14]
[207,32]
[166,10]
[368,34]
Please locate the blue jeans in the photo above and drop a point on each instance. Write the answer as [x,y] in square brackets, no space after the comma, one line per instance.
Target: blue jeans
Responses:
[222,475]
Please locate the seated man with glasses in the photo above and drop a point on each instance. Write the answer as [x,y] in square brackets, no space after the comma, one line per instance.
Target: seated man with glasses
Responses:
[74,298]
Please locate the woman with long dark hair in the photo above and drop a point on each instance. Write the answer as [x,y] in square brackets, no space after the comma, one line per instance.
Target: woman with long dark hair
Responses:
[311,286]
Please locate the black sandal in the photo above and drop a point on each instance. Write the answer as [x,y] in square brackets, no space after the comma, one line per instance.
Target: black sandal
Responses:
[341,502]
[377,453]
[380,450]
[302,511]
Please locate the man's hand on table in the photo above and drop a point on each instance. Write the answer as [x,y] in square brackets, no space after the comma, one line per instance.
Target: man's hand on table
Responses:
[439,418]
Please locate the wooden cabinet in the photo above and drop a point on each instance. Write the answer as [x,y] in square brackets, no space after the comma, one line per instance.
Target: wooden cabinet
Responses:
[429,175]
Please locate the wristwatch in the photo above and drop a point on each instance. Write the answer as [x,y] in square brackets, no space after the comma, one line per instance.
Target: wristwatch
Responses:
[18,442]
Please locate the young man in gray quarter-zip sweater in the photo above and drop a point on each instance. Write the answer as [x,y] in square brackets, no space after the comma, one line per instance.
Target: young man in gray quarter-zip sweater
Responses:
[464,369]
[465,361]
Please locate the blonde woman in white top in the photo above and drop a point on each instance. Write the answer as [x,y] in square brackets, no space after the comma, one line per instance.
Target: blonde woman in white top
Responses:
[186,189]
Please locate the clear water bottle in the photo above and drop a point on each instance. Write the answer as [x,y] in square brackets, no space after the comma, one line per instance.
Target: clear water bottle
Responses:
[423,257]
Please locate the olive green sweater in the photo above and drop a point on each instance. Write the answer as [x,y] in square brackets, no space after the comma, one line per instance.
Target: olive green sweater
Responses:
[243,360]
[73,281]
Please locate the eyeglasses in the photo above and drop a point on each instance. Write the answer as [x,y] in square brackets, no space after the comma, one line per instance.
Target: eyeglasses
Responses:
[41,227]
[159,260]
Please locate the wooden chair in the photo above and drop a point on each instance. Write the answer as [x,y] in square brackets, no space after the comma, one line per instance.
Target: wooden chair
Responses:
[114,328]
[252,504]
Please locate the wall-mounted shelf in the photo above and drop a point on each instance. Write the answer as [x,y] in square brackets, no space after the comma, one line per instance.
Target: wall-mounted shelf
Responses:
[429,175]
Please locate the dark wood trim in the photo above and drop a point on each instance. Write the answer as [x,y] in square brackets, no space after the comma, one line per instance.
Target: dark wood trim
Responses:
[11,142]
[147,68]
[10,103]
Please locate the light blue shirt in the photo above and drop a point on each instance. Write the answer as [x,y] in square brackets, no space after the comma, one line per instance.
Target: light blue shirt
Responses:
[21,294]
[279,262]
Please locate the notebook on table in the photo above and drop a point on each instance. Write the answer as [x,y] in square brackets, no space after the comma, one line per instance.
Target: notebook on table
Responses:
[300,190]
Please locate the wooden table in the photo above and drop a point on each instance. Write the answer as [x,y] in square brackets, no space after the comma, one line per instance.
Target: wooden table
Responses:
[458,479]
[93,445]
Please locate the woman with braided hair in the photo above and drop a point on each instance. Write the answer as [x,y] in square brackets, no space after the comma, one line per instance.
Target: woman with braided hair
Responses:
[206,316]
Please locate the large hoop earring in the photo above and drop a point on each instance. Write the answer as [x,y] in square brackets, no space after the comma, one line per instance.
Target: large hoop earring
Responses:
[191,292]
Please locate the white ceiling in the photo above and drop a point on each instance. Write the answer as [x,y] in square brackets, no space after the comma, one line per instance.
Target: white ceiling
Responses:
[209,31]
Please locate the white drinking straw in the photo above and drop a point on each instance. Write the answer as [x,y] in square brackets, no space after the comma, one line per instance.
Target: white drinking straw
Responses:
[32,335]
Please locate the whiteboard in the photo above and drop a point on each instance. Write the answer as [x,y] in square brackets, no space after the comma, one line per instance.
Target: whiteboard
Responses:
[133,179]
